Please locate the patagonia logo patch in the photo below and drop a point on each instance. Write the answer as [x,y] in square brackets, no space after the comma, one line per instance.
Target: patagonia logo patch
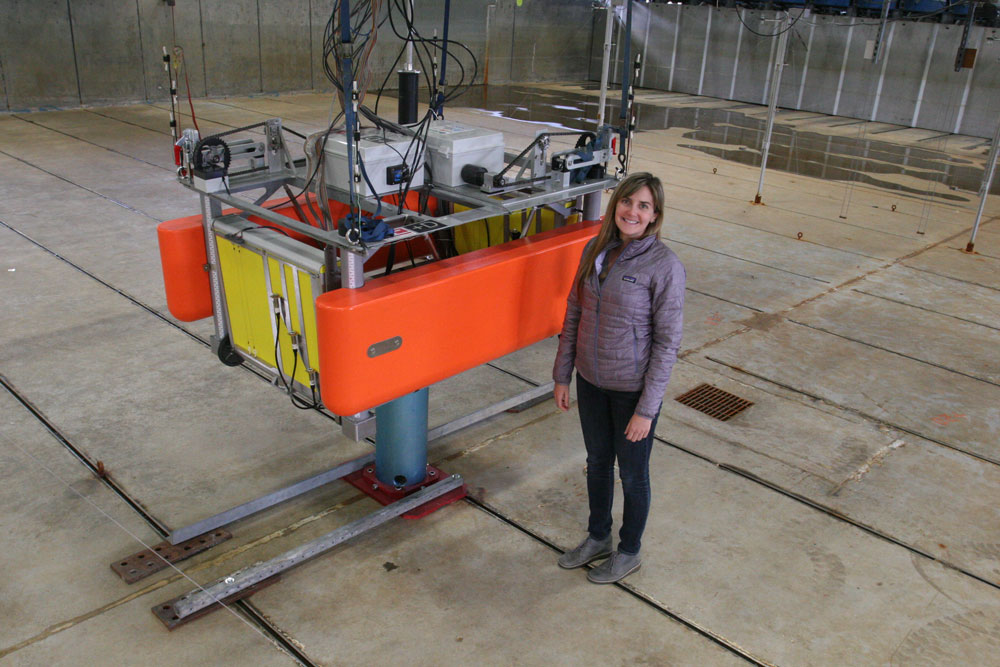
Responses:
[628,279]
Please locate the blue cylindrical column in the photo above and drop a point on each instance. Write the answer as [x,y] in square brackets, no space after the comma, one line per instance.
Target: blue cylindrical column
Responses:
[401,440]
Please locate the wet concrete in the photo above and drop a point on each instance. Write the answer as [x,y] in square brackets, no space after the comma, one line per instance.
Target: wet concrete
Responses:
[738,137]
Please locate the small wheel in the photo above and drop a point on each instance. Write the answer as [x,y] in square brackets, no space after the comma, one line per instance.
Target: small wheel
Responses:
[228,354]
[353,234]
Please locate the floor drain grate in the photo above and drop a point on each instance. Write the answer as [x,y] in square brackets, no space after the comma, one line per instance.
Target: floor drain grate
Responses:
[714,402]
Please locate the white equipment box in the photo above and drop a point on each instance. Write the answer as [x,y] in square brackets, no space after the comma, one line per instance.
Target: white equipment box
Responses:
[451,146]
[382,154]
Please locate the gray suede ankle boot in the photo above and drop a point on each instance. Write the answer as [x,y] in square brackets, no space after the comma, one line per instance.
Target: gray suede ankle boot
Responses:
[588,551]
[616,568]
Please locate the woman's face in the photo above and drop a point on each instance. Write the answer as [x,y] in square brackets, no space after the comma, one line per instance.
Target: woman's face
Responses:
[634,212]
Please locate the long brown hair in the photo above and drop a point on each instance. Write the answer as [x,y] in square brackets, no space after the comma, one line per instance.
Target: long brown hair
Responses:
[609,230]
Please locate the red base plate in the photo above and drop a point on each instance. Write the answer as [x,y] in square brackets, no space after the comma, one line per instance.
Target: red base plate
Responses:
[366,482]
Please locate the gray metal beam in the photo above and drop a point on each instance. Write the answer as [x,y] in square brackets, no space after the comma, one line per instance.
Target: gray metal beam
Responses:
[232,584]
[270,500]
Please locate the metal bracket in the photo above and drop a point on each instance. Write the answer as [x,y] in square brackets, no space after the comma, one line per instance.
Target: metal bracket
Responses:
[168,615]
[150,561]
[360,426]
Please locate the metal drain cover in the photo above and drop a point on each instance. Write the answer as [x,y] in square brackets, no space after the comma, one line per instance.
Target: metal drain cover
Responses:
[714,402]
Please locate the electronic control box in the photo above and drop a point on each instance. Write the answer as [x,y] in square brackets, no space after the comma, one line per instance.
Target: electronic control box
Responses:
[451,146]
[384,156]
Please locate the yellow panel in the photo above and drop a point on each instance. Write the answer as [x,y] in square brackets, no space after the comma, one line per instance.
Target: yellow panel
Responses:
[473,236]
[233,276]
[250,310]
[258,308]
[309,315]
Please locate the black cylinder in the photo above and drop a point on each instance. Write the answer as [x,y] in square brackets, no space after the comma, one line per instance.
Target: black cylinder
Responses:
[408,80]
[473,174]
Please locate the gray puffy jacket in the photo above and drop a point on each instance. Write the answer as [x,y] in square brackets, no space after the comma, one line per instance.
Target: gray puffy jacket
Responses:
[624,334]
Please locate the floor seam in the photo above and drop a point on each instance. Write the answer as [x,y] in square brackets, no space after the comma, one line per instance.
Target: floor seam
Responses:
[899,354]
[83,187]
[929,310]
[90,143]
[860,413]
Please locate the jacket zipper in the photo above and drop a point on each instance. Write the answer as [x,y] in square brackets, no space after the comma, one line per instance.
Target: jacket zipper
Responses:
[597,328]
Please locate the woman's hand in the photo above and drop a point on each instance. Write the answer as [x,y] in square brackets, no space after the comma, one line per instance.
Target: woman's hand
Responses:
[561,394]
[638,427]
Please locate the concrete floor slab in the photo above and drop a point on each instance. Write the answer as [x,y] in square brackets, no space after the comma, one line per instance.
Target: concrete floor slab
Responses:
[789,585]
[949,261]
[903,486]
[113,243]
[157,118]
[127,634]
[860,241]
[162,439]
[460,586]
[769,249]
[964,347]
[147,146]
[114,176]
[928,401]
[928,291]
[61,530]
[743,282]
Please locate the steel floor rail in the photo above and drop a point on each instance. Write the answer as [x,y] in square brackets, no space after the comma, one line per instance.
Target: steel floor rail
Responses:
[232,584]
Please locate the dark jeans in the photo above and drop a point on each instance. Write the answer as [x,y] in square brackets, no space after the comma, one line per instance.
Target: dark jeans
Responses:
[604,414]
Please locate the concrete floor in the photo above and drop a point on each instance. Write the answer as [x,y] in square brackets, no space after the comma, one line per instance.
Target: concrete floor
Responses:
[849,517]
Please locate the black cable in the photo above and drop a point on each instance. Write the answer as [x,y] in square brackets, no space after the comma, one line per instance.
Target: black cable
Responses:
[297,134]
[260,226]
[762,34]
[296,401]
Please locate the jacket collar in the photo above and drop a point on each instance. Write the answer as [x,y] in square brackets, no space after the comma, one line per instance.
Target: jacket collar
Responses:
[634,248]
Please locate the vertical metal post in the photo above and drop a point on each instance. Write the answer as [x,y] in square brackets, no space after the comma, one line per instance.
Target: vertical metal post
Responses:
[626,61]
[352,269]
[881,76]
[984,191]
[843,69]
[606,62]
[673,52]
[704,51]
[805,66]
[352,276]
[592,206]
[409,10]
[401,440]
[881,31]
[923,80]
[736,59]
[486,49]
[645,44]
[209,209]
[779,65]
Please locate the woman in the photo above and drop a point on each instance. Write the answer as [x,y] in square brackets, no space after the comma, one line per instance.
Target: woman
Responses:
[621,332]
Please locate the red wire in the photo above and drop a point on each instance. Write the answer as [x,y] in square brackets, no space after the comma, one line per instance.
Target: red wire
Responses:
[187,84]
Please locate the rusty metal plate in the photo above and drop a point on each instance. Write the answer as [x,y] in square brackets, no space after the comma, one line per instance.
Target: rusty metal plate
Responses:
[714,402]
[150,561]
[387,345]
[165,610]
